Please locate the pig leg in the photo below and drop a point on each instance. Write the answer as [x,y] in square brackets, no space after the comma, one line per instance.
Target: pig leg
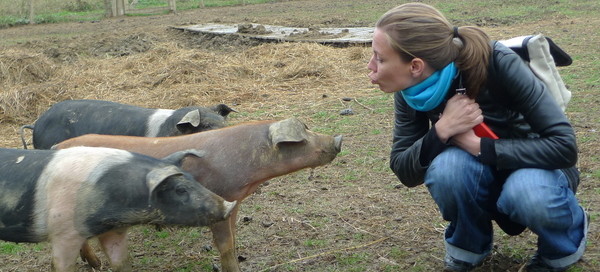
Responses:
[87,255]
[64,252]
[114,245]
[224,239]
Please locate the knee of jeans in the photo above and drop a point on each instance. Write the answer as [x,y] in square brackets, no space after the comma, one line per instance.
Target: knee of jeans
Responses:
[518,201]
[437,178]
[448,164]
[444,172]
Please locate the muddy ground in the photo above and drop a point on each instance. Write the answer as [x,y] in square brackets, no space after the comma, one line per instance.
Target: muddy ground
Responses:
[352,215]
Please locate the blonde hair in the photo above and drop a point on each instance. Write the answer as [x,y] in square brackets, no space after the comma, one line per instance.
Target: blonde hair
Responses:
[419,30]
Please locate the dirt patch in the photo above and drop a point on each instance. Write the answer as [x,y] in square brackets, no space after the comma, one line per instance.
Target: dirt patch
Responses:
[132,44]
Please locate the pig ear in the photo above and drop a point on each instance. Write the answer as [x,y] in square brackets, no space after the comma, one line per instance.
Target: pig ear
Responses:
[177,157]
[222,109]
[288,130]
[157,176]
[190,118]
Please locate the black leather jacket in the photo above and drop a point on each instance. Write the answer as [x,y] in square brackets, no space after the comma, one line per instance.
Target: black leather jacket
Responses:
[533,130]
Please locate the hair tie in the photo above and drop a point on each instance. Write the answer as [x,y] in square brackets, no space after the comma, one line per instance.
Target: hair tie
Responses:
[456,32]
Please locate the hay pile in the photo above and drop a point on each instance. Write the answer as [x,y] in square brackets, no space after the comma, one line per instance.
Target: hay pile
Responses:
[21,67]
[21,74]
[167,76]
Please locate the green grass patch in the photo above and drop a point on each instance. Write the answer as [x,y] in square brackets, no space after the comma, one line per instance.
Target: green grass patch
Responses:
[10,248]
[85,11]
[354,261]
[162,234]
[596,174]
[350,175]
[315,243]
[485,12]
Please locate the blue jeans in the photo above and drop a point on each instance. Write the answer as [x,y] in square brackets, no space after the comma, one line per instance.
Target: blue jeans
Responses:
[468,193]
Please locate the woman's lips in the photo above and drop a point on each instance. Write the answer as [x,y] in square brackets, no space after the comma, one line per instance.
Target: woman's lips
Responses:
[373,81]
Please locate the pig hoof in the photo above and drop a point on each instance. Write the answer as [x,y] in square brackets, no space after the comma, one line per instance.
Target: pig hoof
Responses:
[94,262]
[90,258]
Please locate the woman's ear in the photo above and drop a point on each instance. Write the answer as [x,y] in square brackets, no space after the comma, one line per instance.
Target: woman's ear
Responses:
[420,69]
[417,67]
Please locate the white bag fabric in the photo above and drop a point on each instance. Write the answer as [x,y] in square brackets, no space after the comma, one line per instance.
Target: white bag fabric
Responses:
[537,52]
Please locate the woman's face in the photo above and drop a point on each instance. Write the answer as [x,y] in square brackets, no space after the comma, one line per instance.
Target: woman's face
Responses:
[388,70]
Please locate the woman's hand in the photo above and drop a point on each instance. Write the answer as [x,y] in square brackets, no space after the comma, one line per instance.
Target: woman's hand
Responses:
[467,141]
[460,115]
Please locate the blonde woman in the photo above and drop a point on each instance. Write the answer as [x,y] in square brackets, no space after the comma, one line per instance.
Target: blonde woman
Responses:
[447,80]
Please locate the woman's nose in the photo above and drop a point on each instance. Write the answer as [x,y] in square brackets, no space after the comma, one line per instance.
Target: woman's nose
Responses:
[371,65]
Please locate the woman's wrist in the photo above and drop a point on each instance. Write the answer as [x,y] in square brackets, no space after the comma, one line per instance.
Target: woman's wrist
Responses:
[442,131]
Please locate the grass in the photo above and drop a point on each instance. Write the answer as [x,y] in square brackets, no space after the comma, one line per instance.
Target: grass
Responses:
[480,12]
[10,248]
[90,10]
[513,12]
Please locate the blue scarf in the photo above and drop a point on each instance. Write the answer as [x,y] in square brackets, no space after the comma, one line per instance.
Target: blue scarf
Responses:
[430,93]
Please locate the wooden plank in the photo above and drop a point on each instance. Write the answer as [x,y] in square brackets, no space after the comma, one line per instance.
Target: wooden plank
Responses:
[336,36]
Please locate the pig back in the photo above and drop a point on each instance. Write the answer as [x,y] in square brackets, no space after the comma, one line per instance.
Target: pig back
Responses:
[71,118]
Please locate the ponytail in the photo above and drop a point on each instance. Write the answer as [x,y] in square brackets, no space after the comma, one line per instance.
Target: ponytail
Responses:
[473,58]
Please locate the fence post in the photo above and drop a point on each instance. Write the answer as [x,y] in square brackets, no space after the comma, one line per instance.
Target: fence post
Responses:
[107,9]
[113,8]
[120,7]
[172,7]
[31,13]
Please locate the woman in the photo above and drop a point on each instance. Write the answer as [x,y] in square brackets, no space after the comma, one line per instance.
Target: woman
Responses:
[524,179]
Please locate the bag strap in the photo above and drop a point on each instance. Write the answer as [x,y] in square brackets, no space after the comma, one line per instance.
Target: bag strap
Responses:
[520,45]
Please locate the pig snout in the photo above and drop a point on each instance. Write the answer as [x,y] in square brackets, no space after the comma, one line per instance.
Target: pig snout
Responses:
[337,142]
[217,209]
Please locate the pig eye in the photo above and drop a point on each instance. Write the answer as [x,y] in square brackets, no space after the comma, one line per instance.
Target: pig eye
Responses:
[180,191]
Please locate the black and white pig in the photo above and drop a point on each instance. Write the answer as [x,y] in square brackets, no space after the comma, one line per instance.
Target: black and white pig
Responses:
[72,118]
[70,195]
